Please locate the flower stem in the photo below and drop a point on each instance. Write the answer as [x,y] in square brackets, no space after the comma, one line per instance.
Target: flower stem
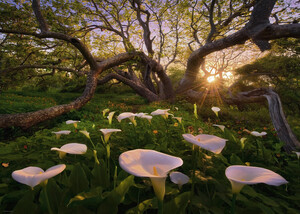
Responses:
[115,176]
[47,200]
[233,203]
[182,128]
[194,159]
[160,206]
[92,143]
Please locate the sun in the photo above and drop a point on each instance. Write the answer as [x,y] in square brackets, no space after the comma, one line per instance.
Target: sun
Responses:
[211,79]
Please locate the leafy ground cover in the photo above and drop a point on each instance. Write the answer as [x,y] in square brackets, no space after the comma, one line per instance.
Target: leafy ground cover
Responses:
[88,187]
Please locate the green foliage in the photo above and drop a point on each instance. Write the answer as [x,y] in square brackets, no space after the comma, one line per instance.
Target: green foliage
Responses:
[280,72]
[86,187]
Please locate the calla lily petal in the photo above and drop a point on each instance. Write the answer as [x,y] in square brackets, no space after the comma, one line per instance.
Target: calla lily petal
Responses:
[297,153]
[179,119]
[152,164]
[108,132]
[74,122]
[239,175]
[148,117]
[216,110]
[179,178]
[33,176]
[87,134]
[209,142]
[110,117]
[140,114]
[163,112]
[257,134]
[222,127]
[72,148]
[105,111]
[128,115]
[66,132]
[140,162]
[59,133]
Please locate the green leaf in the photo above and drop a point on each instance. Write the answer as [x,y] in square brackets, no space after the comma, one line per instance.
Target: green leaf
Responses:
[92,198]
[78,180]
[235,160]
[115,197]
[26,203]
[143,206]
[99,175]
[178,204]
[54,195]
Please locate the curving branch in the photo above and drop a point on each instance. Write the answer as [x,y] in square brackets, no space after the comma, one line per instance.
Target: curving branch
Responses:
[197,57]
[139,88]
[136,5]
[22,67]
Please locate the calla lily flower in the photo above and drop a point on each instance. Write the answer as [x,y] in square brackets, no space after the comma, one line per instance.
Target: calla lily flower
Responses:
[222,127]
[152,164]
[179,119]
[105,111]
[110,117]
[71,148]
[87,134]
[128,115]
[297,153]
[148,117]
[179,178]
[243,142]
[163,112]
[239,175]
[216,110]
[195,111]
[108,132]
[209,142]
[33,176]
[140,114]
[59,133]
[74,122]
[257,134]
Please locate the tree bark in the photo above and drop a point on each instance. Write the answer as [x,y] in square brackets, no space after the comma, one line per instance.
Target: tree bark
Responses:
[279,121]
[26,120]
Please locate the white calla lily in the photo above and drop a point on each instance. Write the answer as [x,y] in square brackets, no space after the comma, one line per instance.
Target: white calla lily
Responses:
[216,110]
[148,117]
[152,164]
[128,115]
[243,139]
[240,175]
[179,119]
[71,148]
[86,133]
[179,178]
[163,112]
[209,142]
[108,132]
[63,132]
[74,122]
[222,127]
[105,111]
[258,134]
[297,153]
[110,117]
[140,114]
[33,176]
